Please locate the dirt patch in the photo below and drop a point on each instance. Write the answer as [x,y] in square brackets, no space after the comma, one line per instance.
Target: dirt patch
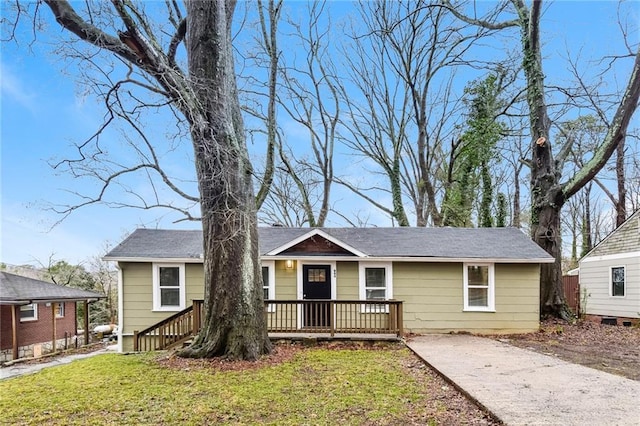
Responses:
[280,353]
[610,348]
[445,403]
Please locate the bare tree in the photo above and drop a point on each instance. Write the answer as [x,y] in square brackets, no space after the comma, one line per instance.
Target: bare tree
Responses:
[548,192]
[308,96]
[404,112]
[205,96]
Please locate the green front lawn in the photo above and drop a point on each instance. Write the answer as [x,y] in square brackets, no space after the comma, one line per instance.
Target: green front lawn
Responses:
[316,386]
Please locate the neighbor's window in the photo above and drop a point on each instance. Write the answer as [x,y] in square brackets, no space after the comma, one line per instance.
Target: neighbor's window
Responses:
[617,281]
[375,284]
[479,287]
[168,287]
[29,312]
[60,310]
[268,282]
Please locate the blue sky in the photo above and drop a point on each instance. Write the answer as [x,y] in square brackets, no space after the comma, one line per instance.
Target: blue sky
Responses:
[42,115]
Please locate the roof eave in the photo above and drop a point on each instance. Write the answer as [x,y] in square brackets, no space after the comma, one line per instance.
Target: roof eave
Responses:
[414,259]
[153,259]
[49,300]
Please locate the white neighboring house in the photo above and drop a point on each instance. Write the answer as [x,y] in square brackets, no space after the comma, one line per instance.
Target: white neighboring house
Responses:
[610,273]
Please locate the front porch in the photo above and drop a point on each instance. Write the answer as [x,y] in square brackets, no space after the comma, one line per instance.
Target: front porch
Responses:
[290,319]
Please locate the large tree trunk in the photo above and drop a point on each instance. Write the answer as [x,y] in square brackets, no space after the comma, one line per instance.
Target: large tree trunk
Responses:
[546,235]
[234,310]
[234,313]
[621,203]
[546,192]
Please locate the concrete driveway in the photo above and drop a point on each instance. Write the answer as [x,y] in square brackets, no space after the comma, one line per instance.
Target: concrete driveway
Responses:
[21,369]
[522,387]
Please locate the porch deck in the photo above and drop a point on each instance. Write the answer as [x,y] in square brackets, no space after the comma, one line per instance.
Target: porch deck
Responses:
[336,336]
[290,319]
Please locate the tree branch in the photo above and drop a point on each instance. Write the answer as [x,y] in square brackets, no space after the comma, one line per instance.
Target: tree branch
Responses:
[66,16]
[616,133]
[479,22]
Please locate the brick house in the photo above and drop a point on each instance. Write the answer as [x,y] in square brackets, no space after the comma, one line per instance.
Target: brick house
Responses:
[38,317]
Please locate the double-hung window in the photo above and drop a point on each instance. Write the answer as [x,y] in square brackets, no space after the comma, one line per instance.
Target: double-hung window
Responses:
[479,287]
[376,284]
[168,287]
[268,282]
[29,312]
[60,310]
[617,281]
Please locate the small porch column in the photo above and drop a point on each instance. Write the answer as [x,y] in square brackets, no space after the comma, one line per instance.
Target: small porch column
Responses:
[86,322]
[14,330]
[54,306]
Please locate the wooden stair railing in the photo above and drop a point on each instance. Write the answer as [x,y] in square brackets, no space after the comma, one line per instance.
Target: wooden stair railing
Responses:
[171,331]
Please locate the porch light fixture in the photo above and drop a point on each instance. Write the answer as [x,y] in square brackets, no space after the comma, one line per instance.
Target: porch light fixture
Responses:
[288,264]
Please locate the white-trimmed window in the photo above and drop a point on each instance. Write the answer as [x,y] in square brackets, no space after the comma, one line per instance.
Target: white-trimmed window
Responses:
[376,283]
[269,282]
[29,312]
[168,287]
[60,310]
[479,287]
[618,282]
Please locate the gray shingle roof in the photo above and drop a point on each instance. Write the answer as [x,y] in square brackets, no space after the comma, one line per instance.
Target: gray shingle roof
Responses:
[16,289]
[449,243]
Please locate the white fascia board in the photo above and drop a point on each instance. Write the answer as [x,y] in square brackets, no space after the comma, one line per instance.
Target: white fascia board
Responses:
[615,256]
[310,234]
[408,259]
[120,308]
[155,259]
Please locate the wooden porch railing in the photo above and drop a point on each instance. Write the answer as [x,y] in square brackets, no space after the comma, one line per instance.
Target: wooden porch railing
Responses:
[334,316]
[285,316]
[171,331]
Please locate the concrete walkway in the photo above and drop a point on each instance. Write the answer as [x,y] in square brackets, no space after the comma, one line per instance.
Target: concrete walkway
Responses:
[521,387]
[21,369]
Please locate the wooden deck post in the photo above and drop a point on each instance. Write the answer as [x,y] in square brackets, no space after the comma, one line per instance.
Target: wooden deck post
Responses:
[135,341]
[197,324]
[400,320]
[14,329]
[332,318]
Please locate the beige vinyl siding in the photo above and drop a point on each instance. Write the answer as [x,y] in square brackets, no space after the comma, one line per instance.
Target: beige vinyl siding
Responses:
[194,276]
[284,316]
[347,281]
[286,281]
[137,290]
[595,280]
[433,299]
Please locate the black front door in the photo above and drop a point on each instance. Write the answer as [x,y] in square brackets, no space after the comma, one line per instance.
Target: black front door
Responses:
[316,285]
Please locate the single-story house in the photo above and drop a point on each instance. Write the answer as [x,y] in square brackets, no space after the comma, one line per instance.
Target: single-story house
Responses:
[610,273]
[482,280]
[37,316]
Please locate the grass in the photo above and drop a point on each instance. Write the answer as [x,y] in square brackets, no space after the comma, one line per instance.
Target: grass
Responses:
[317,386]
